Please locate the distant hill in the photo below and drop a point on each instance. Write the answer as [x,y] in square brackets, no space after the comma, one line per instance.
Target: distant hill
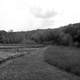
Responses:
[68,35]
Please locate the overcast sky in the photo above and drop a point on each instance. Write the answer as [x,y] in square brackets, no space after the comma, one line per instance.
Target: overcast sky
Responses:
[37,14]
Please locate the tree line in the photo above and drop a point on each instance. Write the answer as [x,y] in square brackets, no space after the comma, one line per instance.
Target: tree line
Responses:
[68,35]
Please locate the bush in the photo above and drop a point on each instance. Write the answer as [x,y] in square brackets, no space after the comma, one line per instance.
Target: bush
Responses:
[64,58]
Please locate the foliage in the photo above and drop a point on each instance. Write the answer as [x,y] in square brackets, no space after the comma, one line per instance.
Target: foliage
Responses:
[68,35]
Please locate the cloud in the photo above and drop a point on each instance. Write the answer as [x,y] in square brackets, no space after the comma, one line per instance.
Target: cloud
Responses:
[44,14]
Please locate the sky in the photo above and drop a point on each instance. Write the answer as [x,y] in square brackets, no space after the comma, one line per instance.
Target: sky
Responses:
[24,15]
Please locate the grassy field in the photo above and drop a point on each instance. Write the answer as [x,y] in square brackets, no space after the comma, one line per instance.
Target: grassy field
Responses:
[32,66]
[65,58]
[11,52]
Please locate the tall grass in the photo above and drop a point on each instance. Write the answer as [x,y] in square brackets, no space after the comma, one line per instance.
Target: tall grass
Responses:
[64,58]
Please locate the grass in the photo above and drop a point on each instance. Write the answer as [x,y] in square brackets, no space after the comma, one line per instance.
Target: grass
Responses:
[10,46]
[67,59]
[32,67]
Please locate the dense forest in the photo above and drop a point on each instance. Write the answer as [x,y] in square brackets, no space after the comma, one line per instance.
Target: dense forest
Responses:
[68,35]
